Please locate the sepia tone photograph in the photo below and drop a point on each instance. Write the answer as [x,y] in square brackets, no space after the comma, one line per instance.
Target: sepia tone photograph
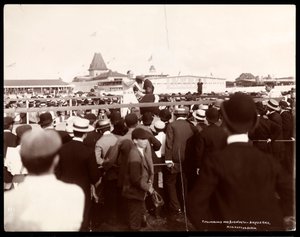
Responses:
[149,118]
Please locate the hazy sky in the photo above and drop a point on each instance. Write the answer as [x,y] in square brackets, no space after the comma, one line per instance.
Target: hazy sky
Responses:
[52,41]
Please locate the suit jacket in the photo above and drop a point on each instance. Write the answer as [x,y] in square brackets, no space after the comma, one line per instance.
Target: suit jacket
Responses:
[240,183]
[138,176]
[277,147]
[177,135]
[78,165]
[265,129]
[287,124]
[212,138]
[9,140]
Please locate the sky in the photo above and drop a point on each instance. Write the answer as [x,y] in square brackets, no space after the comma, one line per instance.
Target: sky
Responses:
[59,41]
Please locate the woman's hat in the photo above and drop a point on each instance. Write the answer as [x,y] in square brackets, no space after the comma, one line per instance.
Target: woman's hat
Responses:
[82,125]
[239,113]
[273,104]
[199,114]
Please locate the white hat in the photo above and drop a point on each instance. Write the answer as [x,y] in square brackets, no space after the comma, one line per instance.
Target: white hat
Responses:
[204,107]
[159,124]
[273,104]
[199,114]
[82,125]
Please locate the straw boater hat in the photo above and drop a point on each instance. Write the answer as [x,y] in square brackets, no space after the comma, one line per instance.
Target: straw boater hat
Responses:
[181,111]
[199,114]
[82,125]
[273,104]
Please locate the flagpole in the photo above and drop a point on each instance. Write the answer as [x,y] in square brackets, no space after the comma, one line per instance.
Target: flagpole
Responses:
[166,26]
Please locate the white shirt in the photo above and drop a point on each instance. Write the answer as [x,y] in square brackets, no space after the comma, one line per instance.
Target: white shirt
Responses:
[43,203]
[161,136]
[274,94]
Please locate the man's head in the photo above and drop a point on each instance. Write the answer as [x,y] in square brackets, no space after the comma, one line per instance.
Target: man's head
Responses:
[269,86]
[181,112]
[102,125]
[8,122]
[212,115]
[131,120]
[140,137]
[45,120]
[39,150]
[147,118]
[239,113]
[273,105]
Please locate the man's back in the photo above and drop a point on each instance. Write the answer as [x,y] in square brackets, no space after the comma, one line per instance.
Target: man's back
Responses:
[43,204]
[78,165]
[246,181]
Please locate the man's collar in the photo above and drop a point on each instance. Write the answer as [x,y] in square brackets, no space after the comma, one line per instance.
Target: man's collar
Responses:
[79,139]
[238,138]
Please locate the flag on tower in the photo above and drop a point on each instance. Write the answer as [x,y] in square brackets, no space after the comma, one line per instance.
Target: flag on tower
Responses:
[150,59]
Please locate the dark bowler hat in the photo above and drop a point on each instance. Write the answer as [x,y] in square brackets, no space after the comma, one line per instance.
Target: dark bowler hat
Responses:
[45,119]
[212,115]
[20,130]
[140,133]
[165,115]
[239,113]
[181,111]
[147,118]
[8,121]
[131,119]
[115,116]
[91,117]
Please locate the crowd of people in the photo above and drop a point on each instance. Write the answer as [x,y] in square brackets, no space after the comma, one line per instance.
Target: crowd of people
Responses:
[219,166]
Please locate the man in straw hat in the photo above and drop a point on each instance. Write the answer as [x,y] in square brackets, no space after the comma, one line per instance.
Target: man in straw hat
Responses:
[239,186]
[41,202]
[78,164]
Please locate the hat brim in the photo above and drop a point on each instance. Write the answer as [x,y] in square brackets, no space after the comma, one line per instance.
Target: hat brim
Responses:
[272,107]
[89,129]
[197,117]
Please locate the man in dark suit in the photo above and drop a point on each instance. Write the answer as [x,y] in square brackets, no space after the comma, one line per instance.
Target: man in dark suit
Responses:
[177,134]
[78,165]
[240,187]
[9,140]
[93,136]
[211,138]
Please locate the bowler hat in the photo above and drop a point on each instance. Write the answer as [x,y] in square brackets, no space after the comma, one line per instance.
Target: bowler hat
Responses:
[91,117]
[165,115]
[273,104]
[212,115]
[102,123]
[181,111]
[140,133]
[82,125]
[40,143]
[8,121]
[239,113]
[20,130]
[131,119]
[115,116]
[45,119]
[147,118]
